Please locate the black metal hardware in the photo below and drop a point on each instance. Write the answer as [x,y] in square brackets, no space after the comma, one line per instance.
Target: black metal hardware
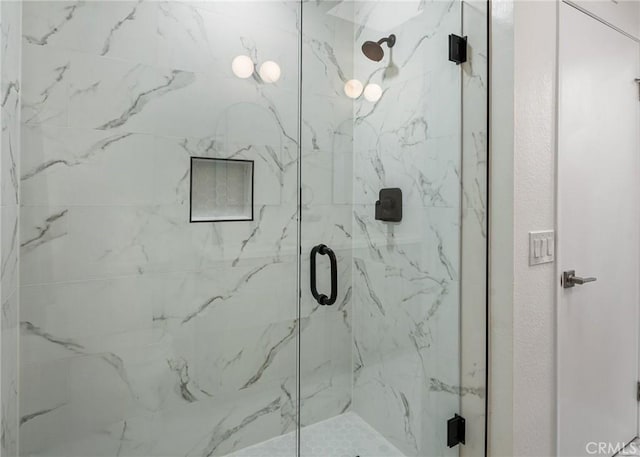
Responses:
[457,49]
[638,391]
[455,430]
[322,298]
[389,205]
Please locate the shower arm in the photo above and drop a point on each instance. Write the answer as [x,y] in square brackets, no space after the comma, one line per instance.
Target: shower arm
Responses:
[390,40]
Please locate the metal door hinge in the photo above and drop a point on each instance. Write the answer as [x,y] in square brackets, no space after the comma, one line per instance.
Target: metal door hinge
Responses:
[638,391]
[455,431]
[457,49]
[637,80]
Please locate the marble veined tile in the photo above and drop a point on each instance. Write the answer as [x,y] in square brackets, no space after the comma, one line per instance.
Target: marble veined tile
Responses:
[74,167]
[99,28]
[327,63]
[405,306]
[427,170]
[145,336]
[128,169]
[431,100]
[474,226]
[425,245]
[9,222]
[9,366]
[327,130]
[420,37]
[68,88]
[10,143]
[190,35]
[10,90]
[76,243]
[83,385]
[45,81]
[214,427]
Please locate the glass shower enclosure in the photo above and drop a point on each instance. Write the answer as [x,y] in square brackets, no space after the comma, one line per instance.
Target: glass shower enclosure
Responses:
[250,228]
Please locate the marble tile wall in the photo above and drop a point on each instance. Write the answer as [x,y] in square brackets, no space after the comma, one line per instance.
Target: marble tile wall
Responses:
[326,177]
[10,89]
[407,276]
[473,311]
[142,334]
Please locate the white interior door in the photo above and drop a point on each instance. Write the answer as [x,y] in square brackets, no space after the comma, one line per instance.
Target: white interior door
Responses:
[598,208]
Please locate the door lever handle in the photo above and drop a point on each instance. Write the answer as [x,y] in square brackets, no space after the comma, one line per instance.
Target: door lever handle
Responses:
[569,279]
[580,281]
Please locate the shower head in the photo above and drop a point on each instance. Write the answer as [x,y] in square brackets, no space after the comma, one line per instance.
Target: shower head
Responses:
[373,50]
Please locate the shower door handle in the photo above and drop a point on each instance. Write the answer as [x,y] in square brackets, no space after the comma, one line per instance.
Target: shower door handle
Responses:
[322,298]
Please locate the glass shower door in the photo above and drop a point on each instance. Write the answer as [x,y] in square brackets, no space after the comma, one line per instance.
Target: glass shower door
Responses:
[381,194]
[184,166]
[144,333]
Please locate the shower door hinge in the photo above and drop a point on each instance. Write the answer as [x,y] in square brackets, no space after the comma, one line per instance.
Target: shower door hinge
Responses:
[455,430]
[638,83]
[457,49]
[638,391]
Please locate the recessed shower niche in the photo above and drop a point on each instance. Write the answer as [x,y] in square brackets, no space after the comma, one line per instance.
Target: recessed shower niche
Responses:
[221,190]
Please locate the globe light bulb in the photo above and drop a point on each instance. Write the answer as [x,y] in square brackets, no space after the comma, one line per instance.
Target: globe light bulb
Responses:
[242,66]
[270,71]
[372,92]
[353,88]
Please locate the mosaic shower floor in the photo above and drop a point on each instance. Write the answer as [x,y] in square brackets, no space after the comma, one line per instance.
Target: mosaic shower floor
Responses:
[346,435]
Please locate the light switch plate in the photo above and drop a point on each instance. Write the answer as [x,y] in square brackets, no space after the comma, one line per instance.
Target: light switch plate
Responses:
[542,247]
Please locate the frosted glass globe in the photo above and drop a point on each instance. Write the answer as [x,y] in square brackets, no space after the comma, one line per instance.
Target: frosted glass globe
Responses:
[372,92]
[242,66]
[270,71]
[353,88]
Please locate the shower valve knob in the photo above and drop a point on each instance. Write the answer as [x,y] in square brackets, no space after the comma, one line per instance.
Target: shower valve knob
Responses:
[389,205]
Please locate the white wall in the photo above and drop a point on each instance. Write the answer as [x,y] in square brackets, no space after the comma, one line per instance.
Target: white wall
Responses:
[534,209]
[522,396]
[522,411]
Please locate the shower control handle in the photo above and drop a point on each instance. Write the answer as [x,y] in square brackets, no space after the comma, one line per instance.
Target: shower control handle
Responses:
[322,298]
[569,279]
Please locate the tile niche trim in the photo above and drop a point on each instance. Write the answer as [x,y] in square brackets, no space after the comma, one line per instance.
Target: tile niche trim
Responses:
[221,190]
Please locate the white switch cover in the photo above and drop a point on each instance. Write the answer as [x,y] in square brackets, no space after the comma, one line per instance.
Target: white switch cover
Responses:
[542,247]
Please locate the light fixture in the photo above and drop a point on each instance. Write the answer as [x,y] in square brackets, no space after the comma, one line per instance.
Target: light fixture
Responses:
[242,66]
[270,71]
[353,88]
[372,92]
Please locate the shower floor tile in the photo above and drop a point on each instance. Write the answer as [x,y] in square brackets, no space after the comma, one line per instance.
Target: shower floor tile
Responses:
[346,435]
